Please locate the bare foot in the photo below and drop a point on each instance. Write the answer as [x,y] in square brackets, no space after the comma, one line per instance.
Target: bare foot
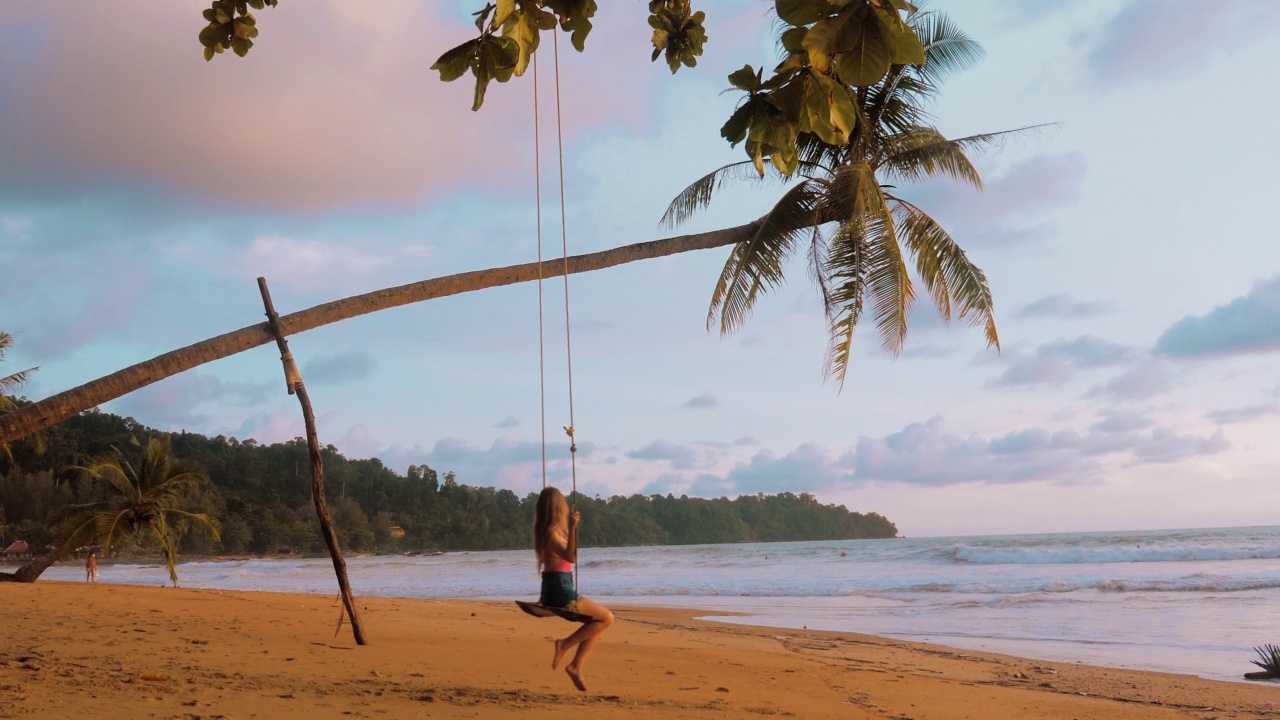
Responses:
[560,651]
[575,677]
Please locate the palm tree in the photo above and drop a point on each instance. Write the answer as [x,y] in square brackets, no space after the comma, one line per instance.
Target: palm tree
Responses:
[142,504]
[893,140]
[59,407]
[847,207]
[10,384]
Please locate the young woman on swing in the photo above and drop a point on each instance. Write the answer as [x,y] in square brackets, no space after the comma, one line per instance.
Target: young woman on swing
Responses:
[555,540]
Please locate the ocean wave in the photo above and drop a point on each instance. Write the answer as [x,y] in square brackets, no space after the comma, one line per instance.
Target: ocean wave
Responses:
[1058,555]
[1190,583]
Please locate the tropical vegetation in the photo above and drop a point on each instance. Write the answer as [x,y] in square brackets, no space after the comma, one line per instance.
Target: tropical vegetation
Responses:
[9,385]
[261,496]
[852,136]
[140,504]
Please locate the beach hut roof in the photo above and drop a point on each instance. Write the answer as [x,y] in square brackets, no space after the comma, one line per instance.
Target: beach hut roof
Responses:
[17,548]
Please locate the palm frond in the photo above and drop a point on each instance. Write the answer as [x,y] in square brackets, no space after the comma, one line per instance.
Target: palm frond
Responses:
[947,48]
[847,266]
[1268,658]
[955,283]
[109,527]
[757,264]
[923,152]
[202,522]
[75,533]
[108,469]
[819,251]
[16,380]
[698,195]
[888,282]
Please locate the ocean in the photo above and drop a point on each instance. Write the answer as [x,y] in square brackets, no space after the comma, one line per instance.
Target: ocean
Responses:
[1186,601]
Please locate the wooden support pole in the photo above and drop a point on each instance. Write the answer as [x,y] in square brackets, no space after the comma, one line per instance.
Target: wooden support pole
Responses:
[293,382]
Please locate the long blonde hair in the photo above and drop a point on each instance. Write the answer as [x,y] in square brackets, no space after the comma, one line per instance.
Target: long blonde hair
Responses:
[550,514]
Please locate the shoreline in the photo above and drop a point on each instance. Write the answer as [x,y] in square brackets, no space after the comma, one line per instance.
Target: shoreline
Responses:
[120,651]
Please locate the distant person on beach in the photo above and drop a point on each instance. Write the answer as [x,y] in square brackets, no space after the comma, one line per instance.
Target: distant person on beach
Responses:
[91,567]
[555,540]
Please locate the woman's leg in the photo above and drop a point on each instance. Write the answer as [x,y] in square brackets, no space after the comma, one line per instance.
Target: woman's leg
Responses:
[584,638]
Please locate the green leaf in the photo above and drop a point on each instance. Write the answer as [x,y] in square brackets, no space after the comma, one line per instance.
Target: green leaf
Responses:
[803,12]
[819,43]
[210,36]
[522,28]
[575,17]
[735,129]
[905,47]
[505,9]
[659,40]
[454,63]
[208,54]
[793,39]
[241,46]
[865,56]
[842,115]
[746,78]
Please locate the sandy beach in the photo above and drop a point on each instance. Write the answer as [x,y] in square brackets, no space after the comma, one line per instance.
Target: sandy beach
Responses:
[117,651]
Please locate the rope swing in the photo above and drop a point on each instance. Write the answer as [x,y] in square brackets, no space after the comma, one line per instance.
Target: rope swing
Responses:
[536,609]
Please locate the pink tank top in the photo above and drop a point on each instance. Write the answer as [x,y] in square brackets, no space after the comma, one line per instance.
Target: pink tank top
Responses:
[560,564]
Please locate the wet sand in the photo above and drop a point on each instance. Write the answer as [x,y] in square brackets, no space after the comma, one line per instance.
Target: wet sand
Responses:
[72,650]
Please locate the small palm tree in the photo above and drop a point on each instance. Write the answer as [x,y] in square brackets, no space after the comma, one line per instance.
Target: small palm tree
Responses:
[142,504]
[848,209]
[8,384]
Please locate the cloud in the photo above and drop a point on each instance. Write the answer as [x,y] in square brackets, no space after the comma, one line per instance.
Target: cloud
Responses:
[1122,422]
[505,463]
[1141,382]
[1248,324]
[309,265]
[101,293]
[706,400]
[1166,446]
[1149,41]
[1063,306]
[335,105]
[927,454]
[171,404]
[680,456]
[1244,414]
[1011,208]
[276,427]
[1057,362]
[339,369]
[508,422]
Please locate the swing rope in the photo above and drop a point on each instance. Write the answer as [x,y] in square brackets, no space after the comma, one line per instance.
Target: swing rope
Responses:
[564,245]
[537,183]
[534,608]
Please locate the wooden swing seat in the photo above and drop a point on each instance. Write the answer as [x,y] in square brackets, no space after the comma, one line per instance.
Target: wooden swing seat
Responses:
[542,611]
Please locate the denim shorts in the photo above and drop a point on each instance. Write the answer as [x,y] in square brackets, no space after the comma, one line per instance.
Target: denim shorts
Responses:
[558,590]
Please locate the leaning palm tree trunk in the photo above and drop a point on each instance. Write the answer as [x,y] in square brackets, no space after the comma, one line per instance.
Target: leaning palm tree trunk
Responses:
[31,571]
[59,407]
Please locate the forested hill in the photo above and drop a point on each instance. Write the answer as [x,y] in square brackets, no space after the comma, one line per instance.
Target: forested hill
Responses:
[262,495]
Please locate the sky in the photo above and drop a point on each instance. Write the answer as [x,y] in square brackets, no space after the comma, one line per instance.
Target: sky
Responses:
[1129,246]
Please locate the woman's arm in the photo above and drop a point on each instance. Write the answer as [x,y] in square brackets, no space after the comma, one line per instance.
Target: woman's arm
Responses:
[571,546]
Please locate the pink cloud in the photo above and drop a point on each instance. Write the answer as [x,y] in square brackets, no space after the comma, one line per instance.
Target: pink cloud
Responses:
[335,105]
[1013,203]
[1147,40]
